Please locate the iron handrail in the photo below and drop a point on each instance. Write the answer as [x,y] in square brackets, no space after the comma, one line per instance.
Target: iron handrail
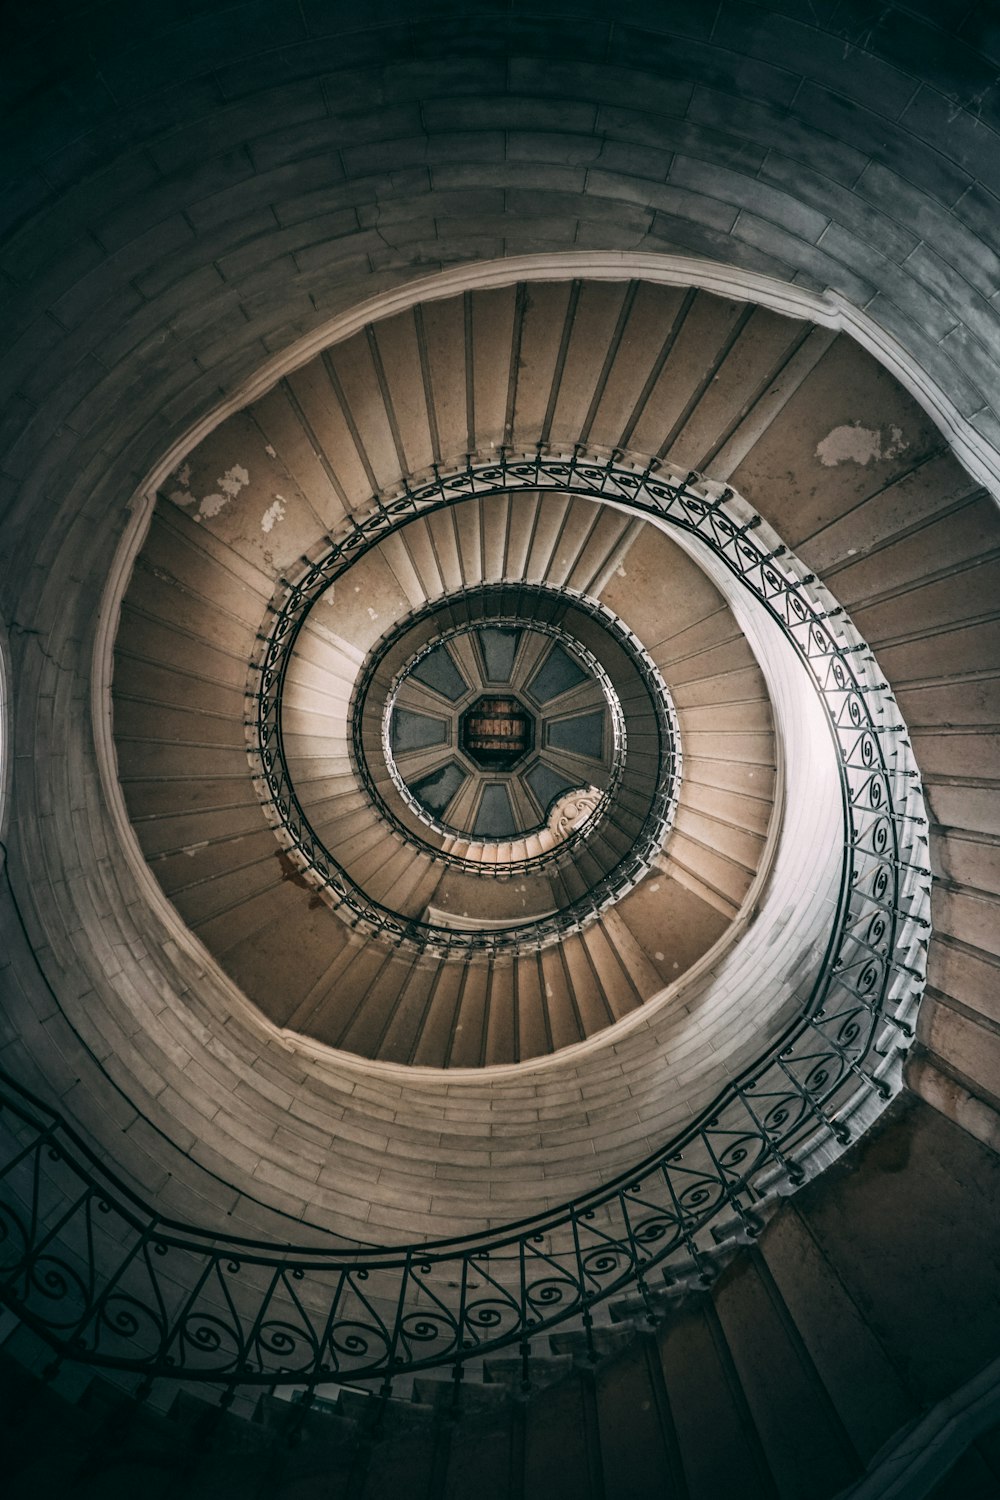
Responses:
[105,1279]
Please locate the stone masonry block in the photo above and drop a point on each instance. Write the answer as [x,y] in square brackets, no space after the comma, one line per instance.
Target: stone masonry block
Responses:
[778,242]
[668,95]
[746,192]
[870,222]
[745,77]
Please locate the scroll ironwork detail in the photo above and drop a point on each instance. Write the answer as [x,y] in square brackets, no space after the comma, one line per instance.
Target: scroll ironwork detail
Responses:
[106,1280]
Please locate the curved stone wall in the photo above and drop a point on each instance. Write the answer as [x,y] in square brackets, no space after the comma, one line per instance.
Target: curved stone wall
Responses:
[196,193]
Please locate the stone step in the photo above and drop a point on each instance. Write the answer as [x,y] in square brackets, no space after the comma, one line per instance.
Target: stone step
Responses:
[601,1343]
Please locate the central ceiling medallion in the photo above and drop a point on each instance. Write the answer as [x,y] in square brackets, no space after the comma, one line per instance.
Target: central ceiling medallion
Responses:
[496,732]
[488,725]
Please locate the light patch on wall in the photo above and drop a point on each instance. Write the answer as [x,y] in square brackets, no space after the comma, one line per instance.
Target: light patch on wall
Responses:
[210,506]
[230,483]
[234,480]
[854,444]
[275,512]
[182,495]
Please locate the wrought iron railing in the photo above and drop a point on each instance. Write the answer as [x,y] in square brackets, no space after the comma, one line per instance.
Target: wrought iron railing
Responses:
[104,1279]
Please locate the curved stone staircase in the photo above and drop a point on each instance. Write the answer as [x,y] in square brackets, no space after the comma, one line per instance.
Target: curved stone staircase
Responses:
[190,792]
[200,597]
[192,195]
[660,346]
[808,460]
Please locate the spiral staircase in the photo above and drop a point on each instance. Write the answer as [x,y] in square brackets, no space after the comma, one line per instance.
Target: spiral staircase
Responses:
[189,785]
[472,1016]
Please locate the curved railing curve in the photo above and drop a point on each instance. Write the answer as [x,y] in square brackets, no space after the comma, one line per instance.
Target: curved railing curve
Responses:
[317,861]
[105,1279]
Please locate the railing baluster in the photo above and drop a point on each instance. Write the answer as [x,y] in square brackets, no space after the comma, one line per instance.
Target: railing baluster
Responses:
[376,1343]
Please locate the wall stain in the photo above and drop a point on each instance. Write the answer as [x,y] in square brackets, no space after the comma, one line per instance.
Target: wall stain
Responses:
[290,871]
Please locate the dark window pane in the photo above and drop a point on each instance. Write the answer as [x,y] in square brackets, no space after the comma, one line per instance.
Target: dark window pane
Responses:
[438,671]
[437,790]
[557,674]
[499,649]
[547,784]
[411,731]
[495,818]
[583,735]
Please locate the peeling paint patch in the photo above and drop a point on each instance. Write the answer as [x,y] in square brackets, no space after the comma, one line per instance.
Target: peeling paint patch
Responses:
[233,480]
[182,495]
[372,613]
[192,849]
[269,451]
[230,483]
[210,506]
[275,512]
[855,444]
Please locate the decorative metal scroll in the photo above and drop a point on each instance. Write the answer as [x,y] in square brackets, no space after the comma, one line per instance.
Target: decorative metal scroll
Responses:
[104,1280]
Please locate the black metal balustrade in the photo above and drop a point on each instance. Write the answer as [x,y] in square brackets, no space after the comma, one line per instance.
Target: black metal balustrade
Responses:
[105,1280]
